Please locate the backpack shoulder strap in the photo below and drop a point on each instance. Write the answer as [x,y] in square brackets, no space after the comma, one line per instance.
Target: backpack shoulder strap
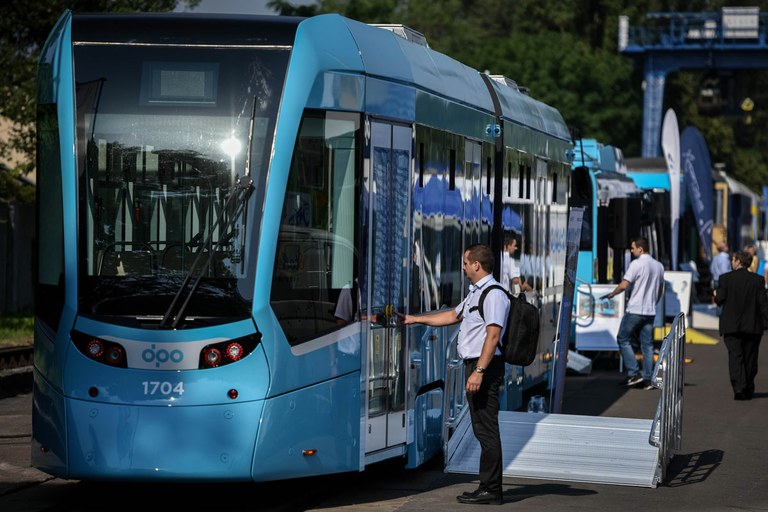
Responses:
[485,292]
[480,306]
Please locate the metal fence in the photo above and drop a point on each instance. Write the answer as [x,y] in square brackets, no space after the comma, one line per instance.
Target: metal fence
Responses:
[669,376]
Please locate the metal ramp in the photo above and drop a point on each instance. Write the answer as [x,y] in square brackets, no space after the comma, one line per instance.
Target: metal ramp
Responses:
[573,448]
[591,449]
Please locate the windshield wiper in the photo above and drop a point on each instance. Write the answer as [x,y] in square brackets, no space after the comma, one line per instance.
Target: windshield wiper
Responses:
[241,189]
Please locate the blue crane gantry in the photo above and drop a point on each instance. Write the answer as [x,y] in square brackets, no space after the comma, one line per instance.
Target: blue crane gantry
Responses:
[734,38]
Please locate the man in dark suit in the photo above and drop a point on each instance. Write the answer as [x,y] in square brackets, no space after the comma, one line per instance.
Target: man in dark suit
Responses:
[741,294]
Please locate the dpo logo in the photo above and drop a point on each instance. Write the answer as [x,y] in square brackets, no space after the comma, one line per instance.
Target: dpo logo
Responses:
[161,356]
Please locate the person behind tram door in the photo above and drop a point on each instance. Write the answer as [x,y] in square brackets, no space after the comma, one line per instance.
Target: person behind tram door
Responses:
[478,346]
[348,304]
[510,272]
[742,296]
[646,275]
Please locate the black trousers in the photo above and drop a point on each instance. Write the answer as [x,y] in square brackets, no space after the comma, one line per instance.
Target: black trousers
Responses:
[742,360]
[484,413]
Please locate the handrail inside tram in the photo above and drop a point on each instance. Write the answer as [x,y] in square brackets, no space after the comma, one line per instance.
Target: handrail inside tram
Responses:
[591,308]
[454,399]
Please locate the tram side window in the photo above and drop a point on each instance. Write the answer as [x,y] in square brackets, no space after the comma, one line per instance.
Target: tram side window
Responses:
[562,187]
[554,187]
[437,228]
[316,258]
[511,183]
[50,235]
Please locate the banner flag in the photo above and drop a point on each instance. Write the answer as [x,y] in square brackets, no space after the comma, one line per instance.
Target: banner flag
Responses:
[697,169]
[670,144]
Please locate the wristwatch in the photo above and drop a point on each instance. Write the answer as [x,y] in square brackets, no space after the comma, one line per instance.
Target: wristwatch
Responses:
[480,369]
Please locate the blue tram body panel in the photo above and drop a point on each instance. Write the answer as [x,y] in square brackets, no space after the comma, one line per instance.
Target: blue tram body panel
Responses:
[323,417]
[282,408]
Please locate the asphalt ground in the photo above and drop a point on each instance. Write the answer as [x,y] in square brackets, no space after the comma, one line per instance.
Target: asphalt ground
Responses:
[721,466]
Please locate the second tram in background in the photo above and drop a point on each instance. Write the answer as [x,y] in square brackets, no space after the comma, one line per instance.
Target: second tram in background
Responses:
[231,211]
[630,197]
[735,216]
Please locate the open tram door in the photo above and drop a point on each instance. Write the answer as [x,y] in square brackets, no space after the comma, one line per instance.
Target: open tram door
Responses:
[387,268]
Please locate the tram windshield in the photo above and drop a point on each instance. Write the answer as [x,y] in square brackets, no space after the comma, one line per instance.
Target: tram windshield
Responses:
[168,139]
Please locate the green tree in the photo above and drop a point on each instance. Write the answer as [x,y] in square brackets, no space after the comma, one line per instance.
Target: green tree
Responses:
[558,50]
[24,28]
[565,52]
[284,8]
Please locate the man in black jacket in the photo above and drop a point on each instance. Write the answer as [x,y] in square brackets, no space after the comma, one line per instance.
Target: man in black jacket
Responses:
[741,294]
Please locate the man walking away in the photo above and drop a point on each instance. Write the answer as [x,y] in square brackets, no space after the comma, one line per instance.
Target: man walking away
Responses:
[742,296]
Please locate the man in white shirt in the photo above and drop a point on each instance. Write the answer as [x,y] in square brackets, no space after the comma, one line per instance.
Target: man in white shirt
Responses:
[478,346]
[646,275]
[510,272]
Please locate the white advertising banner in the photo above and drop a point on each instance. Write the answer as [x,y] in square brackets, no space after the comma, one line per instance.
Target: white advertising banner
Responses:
[670,144]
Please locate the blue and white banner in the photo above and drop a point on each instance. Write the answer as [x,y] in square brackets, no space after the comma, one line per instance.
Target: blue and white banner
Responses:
[697,169]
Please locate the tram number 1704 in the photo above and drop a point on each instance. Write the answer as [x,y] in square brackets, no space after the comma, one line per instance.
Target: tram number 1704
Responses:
[153,387]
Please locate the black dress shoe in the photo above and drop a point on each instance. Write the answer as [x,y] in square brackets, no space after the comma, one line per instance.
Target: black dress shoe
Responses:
[473,493]
[481,498]
[739,396]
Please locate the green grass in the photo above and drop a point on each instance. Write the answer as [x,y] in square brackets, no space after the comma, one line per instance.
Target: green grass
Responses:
[16,330]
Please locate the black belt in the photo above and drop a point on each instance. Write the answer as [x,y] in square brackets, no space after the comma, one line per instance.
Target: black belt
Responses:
[473,360]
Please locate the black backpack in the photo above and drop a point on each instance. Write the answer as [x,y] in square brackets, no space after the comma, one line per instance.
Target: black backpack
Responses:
[521,339]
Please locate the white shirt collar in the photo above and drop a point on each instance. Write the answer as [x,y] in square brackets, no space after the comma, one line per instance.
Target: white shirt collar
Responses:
[480,284]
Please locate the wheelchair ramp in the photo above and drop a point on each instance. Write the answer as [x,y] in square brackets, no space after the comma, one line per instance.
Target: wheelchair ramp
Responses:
[565,447]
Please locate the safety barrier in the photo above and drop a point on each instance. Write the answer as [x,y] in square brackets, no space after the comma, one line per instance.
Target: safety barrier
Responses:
[669,377]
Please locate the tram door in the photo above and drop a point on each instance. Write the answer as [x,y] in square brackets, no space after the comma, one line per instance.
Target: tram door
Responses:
[388,245]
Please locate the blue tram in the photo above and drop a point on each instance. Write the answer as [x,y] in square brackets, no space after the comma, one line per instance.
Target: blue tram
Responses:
[231,211]
[616,209]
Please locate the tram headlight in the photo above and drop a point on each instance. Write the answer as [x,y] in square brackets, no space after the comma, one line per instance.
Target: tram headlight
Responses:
[95,349]
[214,355]
[228,352]
[211,357]
[234,351]
[115,355]
[98,349]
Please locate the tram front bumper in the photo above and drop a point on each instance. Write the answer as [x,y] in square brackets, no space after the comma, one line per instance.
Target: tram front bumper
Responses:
[127,442]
